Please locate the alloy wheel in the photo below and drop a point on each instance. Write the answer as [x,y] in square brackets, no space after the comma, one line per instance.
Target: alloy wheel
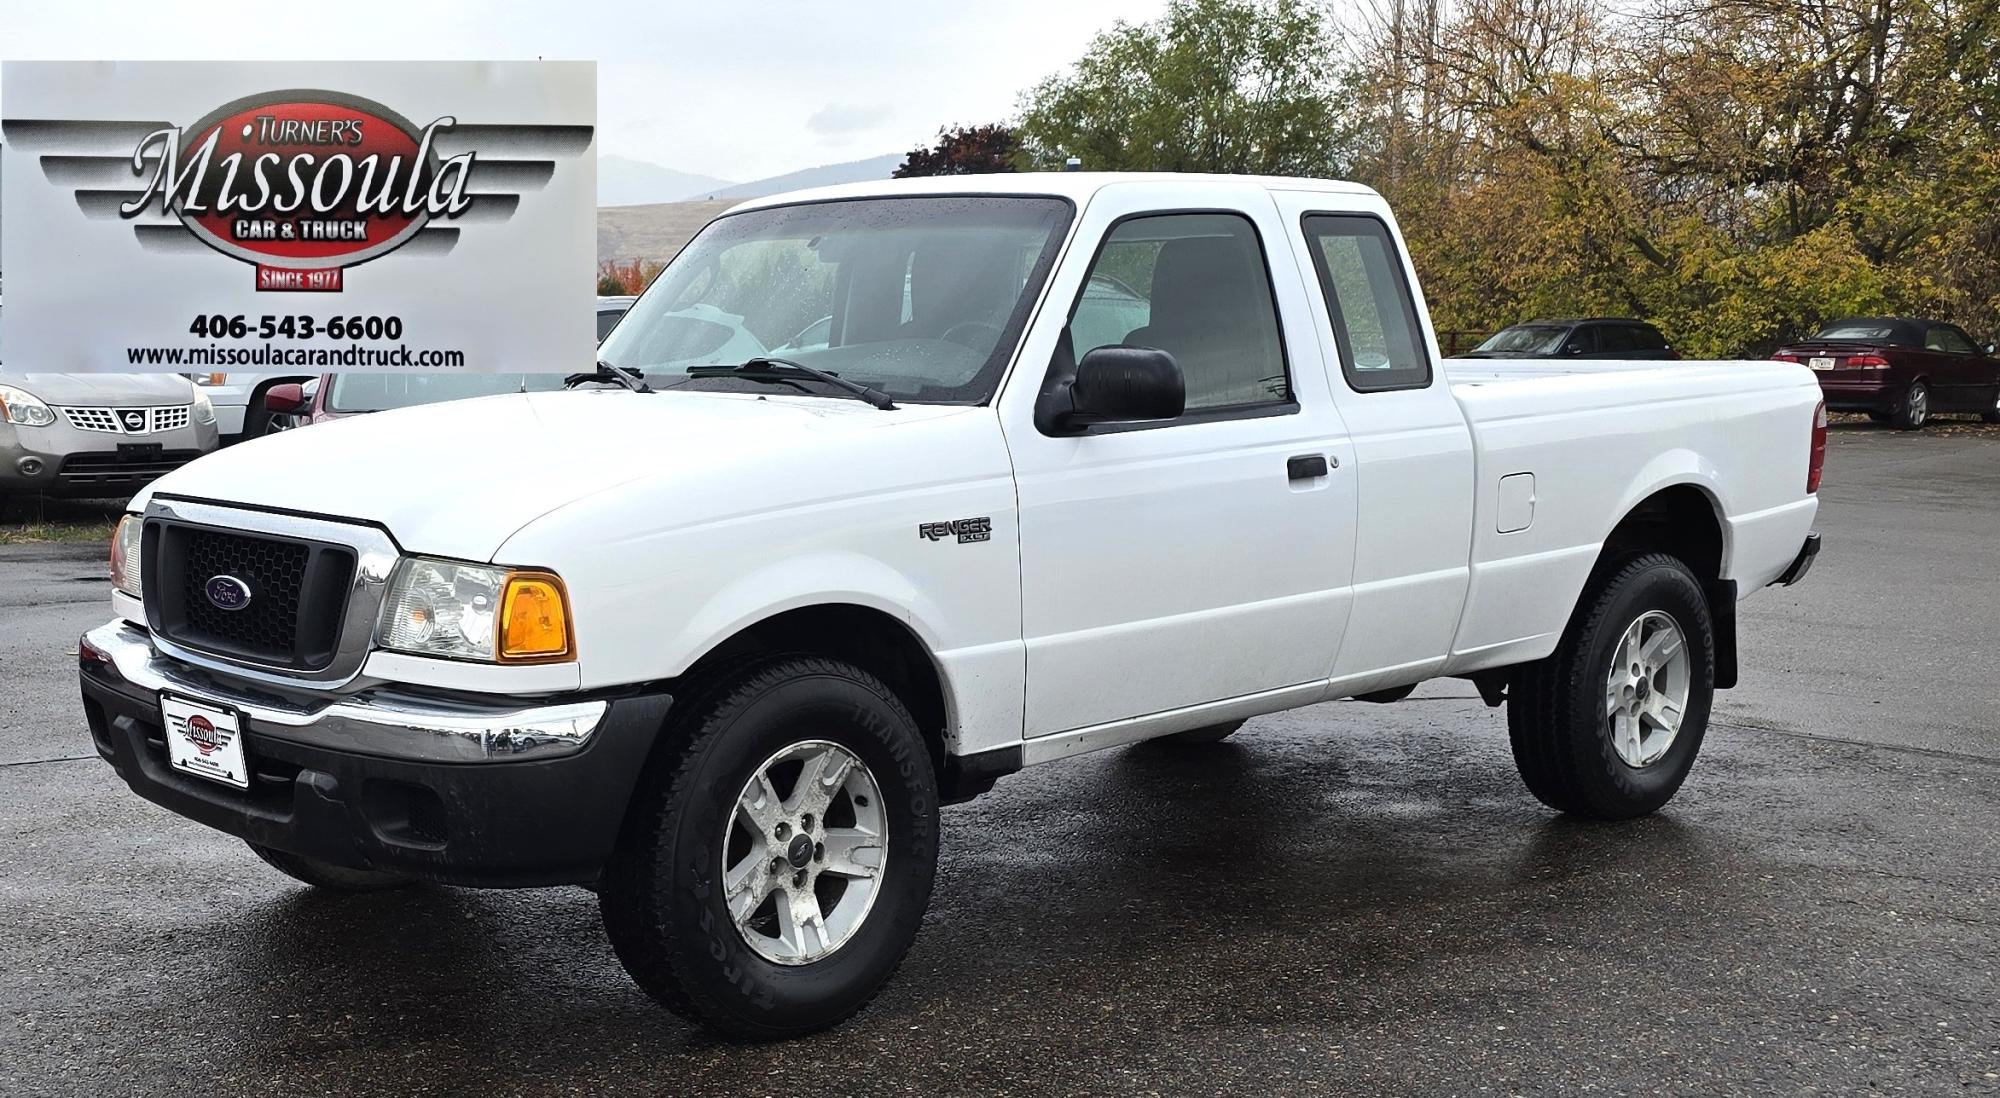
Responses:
[1646,691]
[804,852]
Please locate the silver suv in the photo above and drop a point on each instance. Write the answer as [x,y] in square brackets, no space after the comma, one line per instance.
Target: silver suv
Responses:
[98,435]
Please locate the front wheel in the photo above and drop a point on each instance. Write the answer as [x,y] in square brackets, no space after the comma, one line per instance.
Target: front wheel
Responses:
[1608,726]
[777,863]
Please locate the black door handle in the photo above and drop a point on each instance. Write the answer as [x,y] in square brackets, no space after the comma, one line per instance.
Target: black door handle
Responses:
[1306,467]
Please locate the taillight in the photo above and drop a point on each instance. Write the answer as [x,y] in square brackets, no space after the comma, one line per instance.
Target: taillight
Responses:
[1866,362]
[1817,462]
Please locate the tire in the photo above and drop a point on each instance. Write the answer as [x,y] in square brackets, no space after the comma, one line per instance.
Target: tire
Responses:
[664,896]
[1992,415]
[1914,410]
[1560,718]
[325,875]
[1214,733]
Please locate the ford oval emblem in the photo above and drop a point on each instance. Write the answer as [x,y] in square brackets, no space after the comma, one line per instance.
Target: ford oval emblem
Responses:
[227,592]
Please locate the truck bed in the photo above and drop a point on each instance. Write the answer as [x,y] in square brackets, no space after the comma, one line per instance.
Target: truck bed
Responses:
[1598,437]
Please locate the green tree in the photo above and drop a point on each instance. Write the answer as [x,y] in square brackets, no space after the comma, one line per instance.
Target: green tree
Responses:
[1244,86]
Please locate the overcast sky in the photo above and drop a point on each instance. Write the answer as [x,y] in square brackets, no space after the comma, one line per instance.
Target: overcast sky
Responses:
[737,90]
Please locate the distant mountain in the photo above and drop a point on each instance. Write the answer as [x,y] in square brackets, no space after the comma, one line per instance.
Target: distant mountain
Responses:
[622,181]
[826,175]
[655,232]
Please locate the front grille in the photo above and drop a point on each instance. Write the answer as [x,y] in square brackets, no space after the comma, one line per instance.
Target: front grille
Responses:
[275,572]
[81,471]
[297,593]
[128,421]
[92,419]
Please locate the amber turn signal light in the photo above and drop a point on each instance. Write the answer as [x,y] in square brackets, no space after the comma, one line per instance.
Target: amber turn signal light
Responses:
[534,619]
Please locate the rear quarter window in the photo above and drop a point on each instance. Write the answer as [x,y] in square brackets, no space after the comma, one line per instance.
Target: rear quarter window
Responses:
[1368,302]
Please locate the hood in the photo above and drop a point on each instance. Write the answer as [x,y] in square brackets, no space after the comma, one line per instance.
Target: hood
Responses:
[456,479]
[104,390]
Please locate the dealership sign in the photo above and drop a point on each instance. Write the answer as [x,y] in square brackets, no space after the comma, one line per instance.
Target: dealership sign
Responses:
[297,218]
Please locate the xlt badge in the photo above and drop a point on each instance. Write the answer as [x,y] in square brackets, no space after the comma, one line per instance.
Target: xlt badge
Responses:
[967,529]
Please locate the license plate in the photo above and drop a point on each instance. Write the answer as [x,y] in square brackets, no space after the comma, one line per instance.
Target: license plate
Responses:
[205,741]
[140,451]
[1820,363]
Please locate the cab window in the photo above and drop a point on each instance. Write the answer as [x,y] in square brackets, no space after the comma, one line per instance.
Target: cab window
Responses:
[1368,301]
[1195,286]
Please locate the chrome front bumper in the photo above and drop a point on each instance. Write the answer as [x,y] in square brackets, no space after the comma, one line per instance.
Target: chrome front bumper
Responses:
[381,722]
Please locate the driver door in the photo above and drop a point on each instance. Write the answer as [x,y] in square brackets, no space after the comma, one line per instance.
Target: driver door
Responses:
[1170,564]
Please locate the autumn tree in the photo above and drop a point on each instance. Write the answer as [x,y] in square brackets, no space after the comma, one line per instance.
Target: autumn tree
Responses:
[964,150]
[1738,171]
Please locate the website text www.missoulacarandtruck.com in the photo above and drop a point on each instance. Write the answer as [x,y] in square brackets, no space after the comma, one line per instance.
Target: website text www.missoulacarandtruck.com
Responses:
[351,357]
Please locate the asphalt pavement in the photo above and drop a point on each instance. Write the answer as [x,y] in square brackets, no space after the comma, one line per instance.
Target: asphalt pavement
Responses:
[1348,899]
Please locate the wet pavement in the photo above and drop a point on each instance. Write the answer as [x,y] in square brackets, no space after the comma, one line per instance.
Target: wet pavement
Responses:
[1345,899]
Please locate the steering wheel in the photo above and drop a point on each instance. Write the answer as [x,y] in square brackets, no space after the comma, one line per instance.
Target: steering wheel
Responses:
[972,328]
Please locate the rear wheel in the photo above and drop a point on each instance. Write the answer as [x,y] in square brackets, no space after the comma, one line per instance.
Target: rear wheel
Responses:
[1915,409]
[1609,725]
[326,875]
[777,863]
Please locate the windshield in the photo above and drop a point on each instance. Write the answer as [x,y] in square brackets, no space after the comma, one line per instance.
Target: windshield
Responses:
[381,392]
[922,298]
[1526,339]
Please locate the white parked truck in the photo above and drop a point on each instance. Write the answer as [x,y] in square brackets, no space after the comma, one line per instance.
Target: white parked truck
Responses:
[1035,465]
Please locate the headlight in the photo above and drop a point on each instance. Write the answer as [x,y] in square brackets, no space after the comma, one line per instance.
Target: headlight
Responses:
[23,407]
[204,408]
[125,554]
[475,612]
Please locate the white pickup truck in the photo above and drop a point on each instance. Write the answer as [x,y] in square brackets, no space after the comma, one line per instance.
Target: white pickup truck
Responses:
[1028,466]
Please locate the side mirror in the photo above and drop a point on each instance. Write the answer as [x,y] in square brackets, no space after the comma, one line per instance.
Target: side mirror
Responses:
[1114,385]
[288,399]
[1988,349]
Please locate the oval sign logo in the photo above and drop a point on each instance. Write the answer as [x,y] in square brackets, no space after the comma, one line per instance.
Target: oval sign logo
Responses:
[312,180]
[201,733]
[227,592]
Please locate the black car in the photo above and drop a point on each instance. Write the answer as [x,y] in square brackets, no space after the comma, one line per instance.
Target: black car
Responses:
[1598,337]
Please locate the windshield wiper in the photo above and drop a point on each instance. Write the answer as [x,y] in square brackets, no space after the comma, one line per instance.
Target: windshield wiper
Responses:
[763,368]
[631,379]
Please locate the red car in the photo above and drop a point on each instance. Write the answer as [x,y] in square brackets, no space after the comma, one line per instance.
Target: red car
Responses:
[1901,370]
